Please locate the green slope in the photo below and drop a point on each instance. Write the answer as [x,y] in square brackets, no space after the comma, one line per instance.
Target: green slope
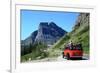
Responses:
[81,34]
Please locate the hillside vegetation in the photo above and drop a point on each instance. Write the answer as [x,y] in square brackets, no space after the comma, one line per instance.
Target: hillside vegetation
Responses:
[34,52]
[80,34]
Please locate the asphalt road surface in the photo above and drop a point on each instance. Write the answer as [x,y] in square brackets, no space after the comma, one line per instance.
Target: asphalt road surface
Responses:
[85,57]
[59,58]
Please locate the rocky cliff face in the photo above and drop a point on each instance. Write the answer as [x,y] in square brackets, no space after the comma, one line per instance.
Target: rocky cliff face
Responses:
[29,40]
[47,33]
[82,20]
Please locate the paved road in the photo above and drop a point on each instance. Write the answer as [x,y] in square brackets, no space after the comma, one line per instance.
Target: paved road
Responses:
[85,57]
[60,58]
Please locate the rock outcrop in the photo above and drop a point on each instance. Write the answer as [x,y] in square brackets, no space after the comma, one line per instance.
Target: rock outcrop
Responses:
[83,19]
[47,33]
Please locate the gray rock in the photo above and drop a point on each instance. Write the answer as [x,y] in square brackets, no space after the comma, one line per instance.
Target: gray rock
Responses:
[83,19]
[47,33]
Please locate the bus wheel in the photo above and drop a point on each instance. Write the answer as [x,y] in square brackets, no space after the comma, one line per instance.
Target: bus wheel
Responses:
[63,55]
[68,57]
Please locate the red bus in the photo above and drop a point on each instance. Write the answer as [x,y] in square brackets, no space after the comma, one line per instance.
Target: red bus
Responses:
[73,51]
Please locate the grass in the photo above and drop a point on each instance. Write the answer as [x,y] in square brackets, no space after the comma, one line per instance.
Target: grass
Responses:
[37,52]
[34,56]
[54,53]
[61,42]
[81,35]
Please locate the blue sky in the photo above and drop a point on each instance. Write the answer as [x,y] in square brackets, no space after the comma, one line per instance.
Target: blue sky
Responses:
[30,20]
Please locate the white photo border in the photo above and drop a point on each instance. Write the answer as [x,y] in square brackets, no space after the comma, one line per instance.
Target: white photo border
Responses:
[16,65]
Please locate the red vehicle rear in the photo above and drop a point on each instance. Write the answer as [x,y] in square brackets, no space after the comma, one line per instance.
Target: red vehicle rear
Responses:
[74,51]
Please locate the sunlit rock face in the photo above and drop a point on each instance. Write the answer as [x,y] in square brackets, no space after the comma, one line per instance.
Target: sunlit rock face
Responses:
[82,20]
[47,33]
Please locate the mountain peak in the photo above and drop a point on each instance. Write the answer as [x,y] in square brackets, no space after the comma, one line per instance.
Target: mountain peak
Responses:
[43,24]
[47,24]
[47,33]
[52,24]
